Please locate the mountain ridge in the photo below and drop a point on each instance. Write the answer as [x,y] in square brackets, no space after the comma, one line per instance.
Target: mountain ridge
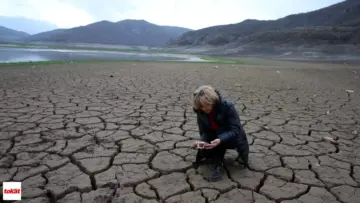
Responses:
[10,34]
[125,32]
[346,13]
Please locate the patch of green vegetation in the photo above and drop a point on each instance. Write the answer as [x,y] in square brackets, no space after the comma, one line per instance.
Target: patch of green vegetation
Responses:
[207,59]
[36,46]
[215,59]
[33,63]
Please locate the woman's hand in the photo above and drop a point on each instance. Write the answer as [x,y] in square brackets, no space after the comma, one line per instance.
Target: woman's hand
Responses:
[199,144]
[213,144]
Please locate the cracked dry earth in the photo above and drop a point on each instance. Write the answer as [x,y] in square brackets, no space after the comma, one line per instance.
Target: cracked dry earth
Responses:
[120,132]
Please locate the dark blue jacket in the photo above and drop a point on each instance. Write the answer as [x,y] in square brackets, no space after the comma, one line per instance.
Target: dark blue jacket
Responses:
[228,120]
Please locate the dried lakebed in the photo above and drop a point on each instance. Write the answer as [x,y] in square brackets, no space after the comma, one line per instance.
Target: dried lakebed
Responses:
[120,132]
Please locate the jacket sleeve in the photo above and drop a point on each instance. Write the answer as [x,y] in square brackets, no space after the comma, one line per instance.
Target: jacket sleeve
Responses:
[234,124]
[201,130]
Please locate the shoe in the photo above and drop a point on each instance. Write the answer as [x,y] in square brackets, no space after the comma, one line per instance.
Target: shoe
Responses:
[215,174]
[195,165]
[241,162]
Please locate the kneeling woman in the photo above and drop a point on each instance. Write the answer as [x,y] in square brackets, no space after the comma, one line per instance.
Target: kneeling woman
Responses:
[219,127]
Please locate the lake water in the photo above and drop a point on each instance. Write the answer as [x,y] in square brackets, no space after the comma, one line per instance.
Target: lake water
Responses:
[25,55]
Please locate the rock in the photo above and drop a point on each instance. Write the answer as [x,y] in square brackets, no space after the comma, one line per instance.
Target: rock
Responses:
[280,189]
[246,196]
[140,131]
[28,159]
[246,178]
[6,161]
[251,128]
[320,127]
[53,161]
[145,190]
[26,171]
[315,195]
[28,139]
[210,195]
[296,130]
[167,162]
[298,163]
[131,158]
[59,146]
[334,176]
[352,156]
[263,162]
[319,148]
[69,133]
[126,195]
[261,149]
[262,142]
[107,178]
[307,177]
[110,136]
[267,135]
[198,180]
[138,146]
[356,174]
[77,144]
[126,175]
[7,173]
[5,145]
[280,172]
[184,152]
[347,193]
[88,120]
[131,174]
[36,147]
[36,200]
[92,165]
[167,145]
[101,195]
[184,144]
[7,135]
[67,179]
[95,151]
[286,150]
[157,136]
[17,127]
[74,197]
[328,161]
[169,185]
[31,187]
[189,197]
[192,134]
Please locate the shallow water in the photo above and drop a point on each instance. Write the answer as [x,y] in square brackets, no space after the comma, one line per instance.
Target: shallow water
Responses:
[25,55]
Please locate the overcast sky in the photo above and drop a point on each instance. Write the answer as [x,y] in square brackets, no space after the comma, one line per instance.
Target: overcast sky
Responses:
[194,14]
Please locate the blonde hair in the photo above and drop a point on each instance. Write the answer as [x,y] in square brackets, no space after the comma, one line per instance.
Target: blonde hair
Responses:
[204,94]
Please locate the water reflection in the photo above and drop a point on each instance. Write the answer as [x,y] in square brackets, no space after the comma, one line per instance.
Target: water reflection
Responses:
[25,55]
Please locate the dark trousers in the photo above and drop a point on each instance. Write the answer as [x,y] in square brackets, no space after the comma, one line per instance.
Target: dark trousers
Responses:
[217,154]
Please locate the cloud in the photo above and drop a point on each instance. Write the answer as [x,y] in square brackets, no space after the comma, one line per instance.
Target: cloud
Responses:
[62,14]
[193,14]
